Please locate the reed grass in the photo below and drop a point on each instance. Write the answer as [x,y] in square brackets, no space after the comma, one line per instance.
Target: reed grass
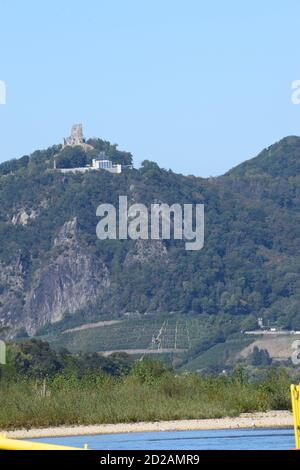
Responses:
[67,400]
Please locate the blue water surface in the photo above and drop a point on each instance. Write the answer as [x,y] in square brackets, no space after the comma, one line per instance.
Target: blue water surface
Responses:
[232,439]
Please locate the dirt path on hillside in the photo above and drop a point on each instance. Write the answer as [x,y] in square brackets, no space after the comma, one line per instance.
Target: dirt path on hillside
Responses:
[89,326]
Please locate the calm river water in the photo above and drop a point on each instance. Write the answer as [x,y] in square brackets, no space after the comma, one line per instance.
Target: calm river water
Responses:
[233,439]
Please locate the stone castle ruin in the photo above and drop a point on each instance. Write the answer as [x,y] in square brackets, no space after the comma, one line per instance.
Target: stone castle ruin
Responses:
[76,138]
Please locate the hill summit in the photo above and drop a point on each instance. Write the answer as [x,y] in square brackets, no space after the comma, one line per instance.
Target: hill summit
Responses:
[280,159]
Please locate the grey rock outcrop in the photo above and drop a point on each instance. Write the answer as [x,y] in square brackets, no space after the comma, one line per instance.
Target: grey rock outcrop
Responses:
[12,294]
[145,251]
[71,279]
[64,285]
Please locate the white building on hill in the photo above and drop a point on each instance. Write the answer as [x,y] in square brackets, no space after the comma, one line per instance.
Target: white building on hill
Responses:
[103,163]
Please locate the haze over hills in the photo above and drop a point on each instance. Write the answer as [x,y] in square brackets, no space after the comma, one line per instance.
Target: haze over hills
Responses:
[54,271]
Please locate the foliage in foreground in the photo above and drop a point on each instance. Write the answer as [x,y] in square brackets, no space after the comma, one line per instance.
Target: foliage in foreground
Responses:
[150,392]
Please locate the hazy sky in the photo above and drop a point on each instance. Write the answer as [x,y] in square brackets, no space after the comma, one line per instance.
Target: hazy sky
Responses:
[198,86]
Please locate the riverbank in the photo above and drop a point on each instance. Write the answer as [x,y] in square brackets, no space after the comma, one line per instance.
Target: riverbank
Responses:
[270,419]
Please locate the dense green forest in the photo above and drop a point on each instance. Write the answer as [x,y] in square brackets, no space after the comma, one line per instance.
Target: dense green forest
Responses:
[249,266]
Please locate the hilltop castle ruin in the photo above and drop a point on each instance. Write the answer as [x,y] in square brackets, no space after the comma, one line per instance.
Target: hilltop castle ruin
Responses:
[99,162]
[76,138]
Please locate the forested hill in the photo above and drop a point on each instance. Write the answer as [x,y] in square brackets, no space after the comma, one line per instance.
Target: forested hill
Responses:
[281,159]
[52,265]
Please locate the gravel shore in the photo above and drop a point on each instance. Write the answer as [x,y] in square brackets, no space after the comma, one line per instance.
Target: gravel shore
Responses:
[271,419]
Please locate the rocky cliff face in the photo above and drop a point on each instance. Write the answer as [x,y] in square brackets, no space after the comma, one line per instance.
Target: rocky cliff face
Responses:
[12,293]
[72,279]
[66,283]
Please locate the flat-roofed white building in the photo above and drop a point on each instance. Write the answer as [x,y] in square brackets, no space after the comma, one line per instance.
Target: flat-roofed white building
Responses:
[101,163]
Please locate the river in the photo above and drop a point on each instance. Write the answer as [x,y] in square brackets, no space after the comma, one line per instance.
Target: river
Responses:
[232,439]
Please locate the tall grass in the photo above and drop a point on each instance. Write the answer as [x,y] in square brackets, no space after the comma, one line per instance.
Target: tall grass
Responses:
[98,399]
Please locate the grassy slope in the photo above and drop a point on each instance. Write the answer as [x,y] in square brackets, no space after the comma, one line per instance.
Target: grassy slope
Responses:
[136,333]
[187,333]
[219,355]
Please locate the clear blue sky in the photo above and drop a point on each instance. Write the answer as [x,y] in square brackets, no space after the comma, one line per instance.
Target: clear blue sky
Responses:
[198,86]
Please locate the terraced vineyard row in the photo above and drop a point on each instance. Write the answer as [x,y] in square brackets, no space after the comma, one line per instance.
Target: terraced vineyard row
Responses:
[148,333]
